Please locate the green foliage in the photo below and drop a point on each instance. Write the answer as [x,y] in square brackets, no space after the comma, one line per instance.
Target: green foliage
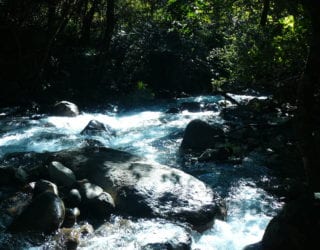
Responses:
[262,57]
[173,45]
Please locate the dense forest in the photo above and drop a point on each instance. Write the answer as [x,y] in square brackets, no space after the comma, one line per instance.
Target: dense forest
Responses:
[61,48]
[93,52]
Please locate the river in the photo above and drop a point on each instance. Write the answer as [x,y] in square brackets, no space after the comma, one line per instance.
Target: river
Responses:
[156,135]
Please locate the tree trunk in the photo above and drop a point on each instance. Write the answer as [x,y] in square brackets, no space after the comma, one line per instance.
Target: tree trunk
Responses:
[264,14]
[309,83]
[87,23]
[106,40]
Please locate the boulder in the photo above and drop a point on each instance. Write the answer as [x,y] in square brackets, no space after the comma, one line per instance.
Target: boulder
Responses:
[42,186]
[95,203]
[140,188]
[296,227]
[199,136]
[65,108]
[95,127]
[70,218]
[60,174]
[72,198]
[101,206]
[218,154]
[88,190]
[44,214]
[10,176]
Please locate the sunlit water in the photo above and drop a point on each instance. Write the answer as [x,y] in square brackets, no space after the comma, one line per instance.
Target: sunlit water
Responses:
[156,135]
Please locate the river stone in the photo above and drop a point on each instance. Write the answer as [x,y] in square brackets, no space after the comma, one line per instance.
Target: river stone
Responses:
[95,127]
[60,174]
[88,190]
[102,206]
[72,198]
[199,135]
[65,108]
[10,176]
[70,218]
[42,186]
[140,188]
[44,214]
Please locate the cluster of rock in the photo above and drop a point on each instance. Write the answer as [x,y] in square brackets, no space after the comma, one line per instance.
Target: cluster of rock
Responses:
[258,128]
[93,182]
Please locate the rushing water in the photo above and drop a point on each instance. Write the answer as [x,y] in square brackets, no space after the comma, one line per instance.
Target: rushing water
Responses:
[152,133]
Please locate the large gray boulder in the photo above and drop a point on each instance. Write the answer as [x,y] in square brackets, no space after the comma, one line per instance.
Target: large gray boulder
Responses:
[144,189]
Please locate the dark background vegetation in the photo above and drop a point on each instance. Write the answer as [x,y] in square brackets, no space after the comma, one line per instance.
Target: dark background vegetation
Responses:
[89,51]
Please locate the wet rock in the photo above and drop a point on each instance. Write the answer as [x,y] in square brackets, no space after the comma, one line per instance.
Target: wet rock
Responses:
[65,108]
[199,135]
[219,154]
[95,203]
[92,143]
[60,174]
[144,234]
[211,107]
[102,206]
[255,246]
[140,188]
[73,198]
[69,238]
[192,106]
[296,227]
[143,189]
[95,127]
[44,214]
[10,176]
[167,246]
[42,186]
[88,190]
[70,217]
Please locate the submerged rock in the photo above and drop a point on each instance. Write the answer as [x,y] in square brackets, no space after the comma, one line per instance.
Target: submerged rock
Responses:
[65,108]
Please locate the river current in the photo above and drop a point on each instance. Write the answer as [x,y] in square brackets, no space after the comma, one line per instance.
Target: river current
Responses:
[152,133]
